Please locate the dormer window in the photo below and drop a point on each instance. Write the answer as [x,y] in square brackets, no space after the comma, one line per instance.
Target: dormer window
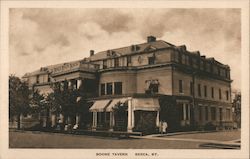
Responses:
[104,64]
[116,62]
[151,60]
[134,48]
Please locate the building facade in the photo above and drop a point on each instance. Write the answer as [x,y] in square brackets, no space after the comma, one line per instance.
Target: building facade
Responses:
[136,87]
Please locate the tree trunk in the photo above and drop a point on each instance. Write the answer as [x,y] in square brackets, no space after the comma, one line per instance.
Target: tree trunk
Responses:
[19,121]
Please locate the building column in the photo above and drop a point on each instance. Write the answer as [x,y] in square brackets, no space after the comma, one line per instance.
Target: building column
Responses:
[61,118]
[77,121]
[79,83]
[111,121]
[53,120]
[184,111]
[158,119]
[69,83]
[94,124]
[130,114]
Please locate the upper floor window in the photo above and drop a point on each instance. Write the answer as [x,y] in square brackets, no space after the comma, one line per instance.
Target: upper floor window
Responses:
[212,92]
[48,79]
[129,61]
[179,57]
[227,95]
[205,91]
[37,79]
[151,60]
[219,93]
[191,88]
[180,86]
[219,73]
[153,86]
[109,88]
[118,87]
[199,90]
[103,89]
[116,62]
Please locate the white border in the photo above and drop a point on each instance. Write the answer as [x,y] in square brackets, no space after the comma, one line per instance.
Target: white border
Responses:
[5,152]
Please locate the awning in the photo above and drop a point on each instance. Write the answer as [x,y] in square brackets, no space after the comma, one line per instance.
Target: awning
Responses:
[114,102]
[147,104]
[99,106]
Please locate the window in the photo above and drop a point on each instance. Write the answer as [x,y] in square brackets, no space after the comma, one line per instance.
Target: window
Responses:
[128,60]
[191,88]
[204,66]
[200,112]
[219,93]
[48,79]
[37,79]
[181,111]
[228,114]
[199,90]
[109,88]
[211,68]
[180,86]
[153,88]
[116,62]
[190,61]
[220,113]
[227,95]
[206,113]
[103,89]
[151,60]
[118,87]
[180,58]
[104,64]
[212,92]
[187,112]
[183,59]
[205,91]
[213,113]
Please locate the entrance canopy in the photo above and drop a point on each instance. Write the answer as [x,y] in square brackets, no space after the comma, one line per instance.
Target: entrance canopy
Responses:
[99,106]
[146,104]
[114,102]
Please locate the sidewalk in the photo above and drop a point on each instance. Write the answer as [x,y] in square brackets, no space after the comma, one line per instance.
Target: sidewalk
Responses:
[207,142]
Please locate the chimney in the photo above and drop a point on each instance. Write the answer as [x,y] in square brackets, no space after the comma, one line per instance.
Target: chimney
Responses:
[151,39]
[92,52]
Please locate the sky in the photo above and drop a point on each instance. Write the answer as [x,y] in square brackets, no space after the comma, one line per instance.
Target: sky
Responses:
[41,37]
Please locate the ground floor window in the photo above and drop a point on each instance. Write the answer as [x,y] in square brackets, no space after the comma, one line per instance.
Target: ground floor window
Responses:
[184,111]
[228,114]
[200,113]
[206,113]
[220,113]
[213,113]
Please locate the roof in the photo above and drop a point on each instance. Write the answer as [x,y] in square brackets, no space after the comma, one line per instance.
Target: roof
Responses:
[159,44]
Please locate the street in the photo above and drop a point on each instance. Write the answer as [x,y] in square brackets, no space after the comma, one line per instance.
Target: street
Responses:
[29,139]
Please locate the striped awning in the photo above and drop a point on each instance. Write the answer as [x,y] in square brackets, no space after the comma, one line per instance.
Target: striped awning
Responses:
[114,102]
[146,104]
[99,106]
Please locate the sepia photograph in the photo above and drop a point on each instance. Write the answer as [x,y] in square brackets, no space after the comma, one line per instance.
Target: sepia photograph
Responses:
[113,79]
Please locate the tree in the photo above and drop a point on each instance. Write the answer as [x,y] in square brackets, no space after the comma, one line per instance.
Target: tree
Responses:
[237,109]
[18,98]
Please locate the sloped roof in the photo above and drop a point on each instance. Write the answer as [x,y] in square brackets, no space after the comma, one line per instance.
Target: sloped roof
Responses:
[159,44]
